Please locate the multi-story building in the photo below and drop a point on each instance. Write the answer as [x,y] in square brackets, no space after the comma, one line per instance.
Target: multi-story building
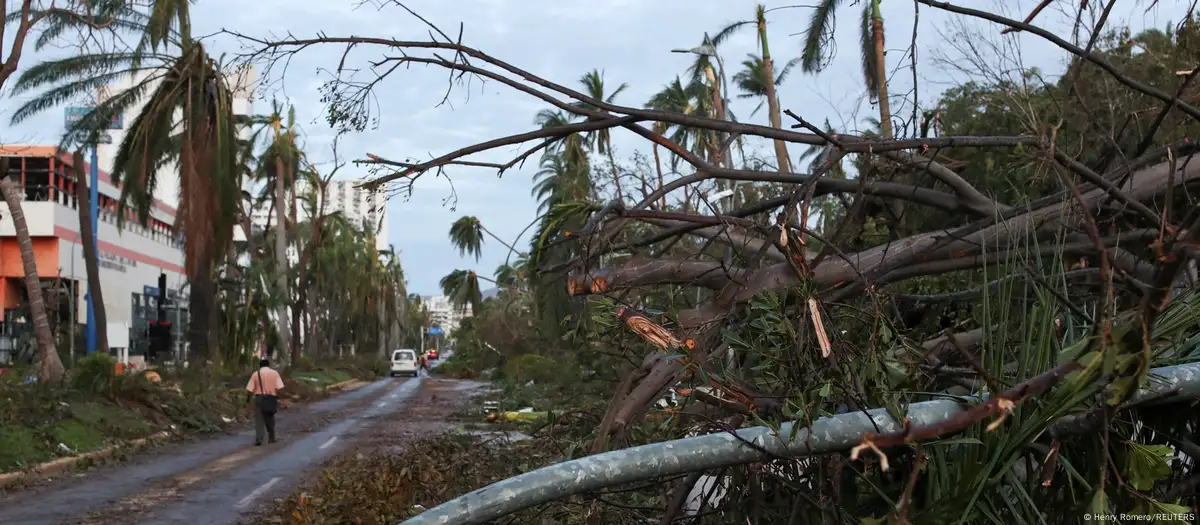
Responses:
[358,204]
[131,259]
[443,313]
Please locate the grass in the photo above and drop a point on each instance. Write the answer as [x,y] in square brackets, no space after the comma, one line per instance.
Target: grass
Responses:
[96,408]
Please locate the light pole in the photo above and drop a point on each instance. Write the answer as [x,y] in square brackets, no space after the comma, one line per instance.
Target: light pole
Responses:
[722,89]
[94,213]
[94,138]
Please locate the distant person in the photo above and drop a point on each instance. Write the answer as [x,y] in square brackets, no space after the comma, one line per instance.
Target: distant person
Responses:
[263,388]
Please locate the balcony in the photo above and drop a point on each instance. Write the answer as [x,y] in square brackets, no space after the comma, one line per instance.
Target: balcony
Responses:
[40,184]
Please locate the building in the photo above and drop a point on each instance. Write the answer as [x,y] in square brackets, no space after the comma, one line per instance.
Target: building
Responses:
[131,260]
[443,313]
[242,84]
[345,196]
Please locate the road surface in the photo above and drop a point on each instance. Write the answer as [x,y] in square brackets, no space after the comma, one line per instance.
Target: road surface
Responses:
[213,481]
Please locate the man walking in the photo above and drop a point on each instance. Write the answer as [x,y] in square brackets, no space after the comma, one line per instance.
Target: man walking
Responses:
[264,386]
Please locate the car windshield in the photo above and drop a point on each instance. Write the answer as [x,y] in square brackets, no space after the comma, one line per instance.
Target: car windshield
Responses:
[403,354]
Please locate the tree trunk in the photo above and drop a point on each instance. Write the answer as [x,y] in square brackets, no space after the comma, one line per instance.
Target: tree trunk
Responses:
[885,107]
[616,174]
[281,263]
[658,166]
[200,311]
[781,152]
[51,368]
[91,260]
[295,232]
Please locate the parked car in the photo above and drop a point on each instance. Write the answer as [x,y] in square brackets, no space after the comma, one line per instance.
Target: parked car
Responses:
[404,361]
[432,354]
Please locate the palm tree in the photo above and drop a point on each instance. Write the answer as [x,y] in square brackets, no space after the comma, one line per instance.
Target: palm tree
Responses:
[50,366]
[462,288]
[283,159]
[758,79]
[752,79]
[693,99]
[593,84]
[91,260]
[186,120]
[820,33]
[467,233]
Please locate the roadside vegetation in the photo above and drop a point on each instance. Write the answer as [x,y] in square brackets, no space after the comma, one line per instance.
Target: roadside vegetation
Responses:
[98,408]
[1026,234]
[1008,235]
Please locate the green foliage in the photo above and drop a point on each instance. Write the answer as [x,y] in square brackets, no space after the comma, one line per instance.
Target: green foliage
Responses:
[94,373]
[531,367]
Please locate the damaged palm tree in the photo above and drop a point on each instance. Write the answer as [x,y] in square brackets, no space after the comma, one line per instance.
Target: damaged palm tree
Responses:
[820,328]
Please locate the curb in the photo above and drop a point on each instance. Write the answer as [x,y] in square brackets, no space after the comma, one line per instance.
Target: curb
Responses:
[55,466]
[58,465]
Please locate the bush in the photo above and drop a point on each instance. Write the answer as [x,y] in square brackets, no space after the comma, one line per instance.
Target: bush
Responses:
[94,373]
[458,367]
[536,368]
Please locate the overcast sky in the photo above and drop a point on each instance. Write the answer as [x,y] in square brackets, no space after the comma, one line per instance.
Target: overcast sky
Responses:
[630,40]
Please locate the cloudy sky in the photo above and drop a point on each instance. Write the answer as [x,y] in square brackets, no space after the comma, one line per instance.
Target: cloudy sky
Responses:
[629,40]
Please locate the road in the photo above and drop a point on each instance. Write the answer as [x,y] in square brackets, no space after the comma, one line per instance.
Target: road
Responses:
[211,481]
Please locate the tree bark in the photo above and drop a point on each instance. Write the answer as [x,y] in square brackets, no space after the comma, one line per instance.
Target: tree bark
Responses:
[50,366]
[885,107]
[658,166]
[294,226]
[781,152]
[924,254]
[281,265]
[91,259]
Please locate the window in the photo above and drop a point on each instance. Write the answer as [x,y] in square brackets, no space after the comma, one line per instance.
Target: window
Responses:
[404,355]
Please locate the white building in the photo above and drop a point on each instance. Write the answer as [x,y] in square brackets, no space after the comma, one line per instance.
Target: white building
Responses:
[345,196]
[243,81]
[443,313]
[131,259]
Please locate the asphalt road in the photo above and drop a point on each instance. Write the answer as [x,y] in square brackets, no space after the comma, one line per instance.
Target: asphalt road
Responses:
[213,481]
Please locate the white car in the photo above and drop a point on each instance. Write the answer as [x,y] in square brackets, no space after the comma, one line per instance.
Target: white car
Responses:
[404,361]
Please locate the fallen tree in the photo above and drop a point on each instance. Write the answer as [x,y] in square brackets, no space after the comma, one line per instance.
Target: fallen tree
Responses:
[793,321]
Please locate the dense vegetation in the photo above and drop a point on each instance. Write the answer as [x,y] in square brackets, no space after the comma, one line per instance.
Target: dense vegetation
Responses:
[1027,236]
[1024,236]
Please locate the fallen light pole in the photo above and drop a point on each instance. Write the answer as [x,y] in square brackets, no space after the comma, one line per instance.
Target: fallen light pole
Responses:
[713,451]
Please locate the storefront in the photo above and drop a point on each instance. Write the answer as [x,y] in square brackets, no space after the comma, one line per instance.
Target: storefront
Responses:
[131,260]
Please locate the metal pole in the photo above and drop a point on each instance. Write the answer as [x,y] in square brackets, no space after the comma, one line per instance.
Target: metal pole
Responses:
[713,451]
[94,212]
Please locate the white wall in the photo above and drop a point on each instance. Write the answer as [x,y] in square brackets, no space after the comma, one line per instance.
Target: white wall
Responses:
[117,285]
[39,218]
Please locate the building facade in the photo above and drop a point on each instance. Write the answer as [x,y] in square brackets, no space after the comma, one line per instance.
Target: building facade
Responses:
[443,313]
[357,204]
[131,260]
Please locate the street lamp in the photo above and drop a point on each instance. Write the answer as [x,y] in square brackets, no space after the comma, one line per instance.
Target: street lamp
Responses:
[708,49]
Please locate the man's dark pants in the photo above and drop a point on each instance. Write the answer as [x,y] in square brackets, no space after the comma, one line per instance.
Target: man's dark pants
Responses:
[263,421]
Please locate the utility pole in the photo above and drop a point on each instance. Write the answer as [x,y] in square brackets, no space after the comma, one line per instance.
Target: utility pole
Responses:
[94,213]
[96,137]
